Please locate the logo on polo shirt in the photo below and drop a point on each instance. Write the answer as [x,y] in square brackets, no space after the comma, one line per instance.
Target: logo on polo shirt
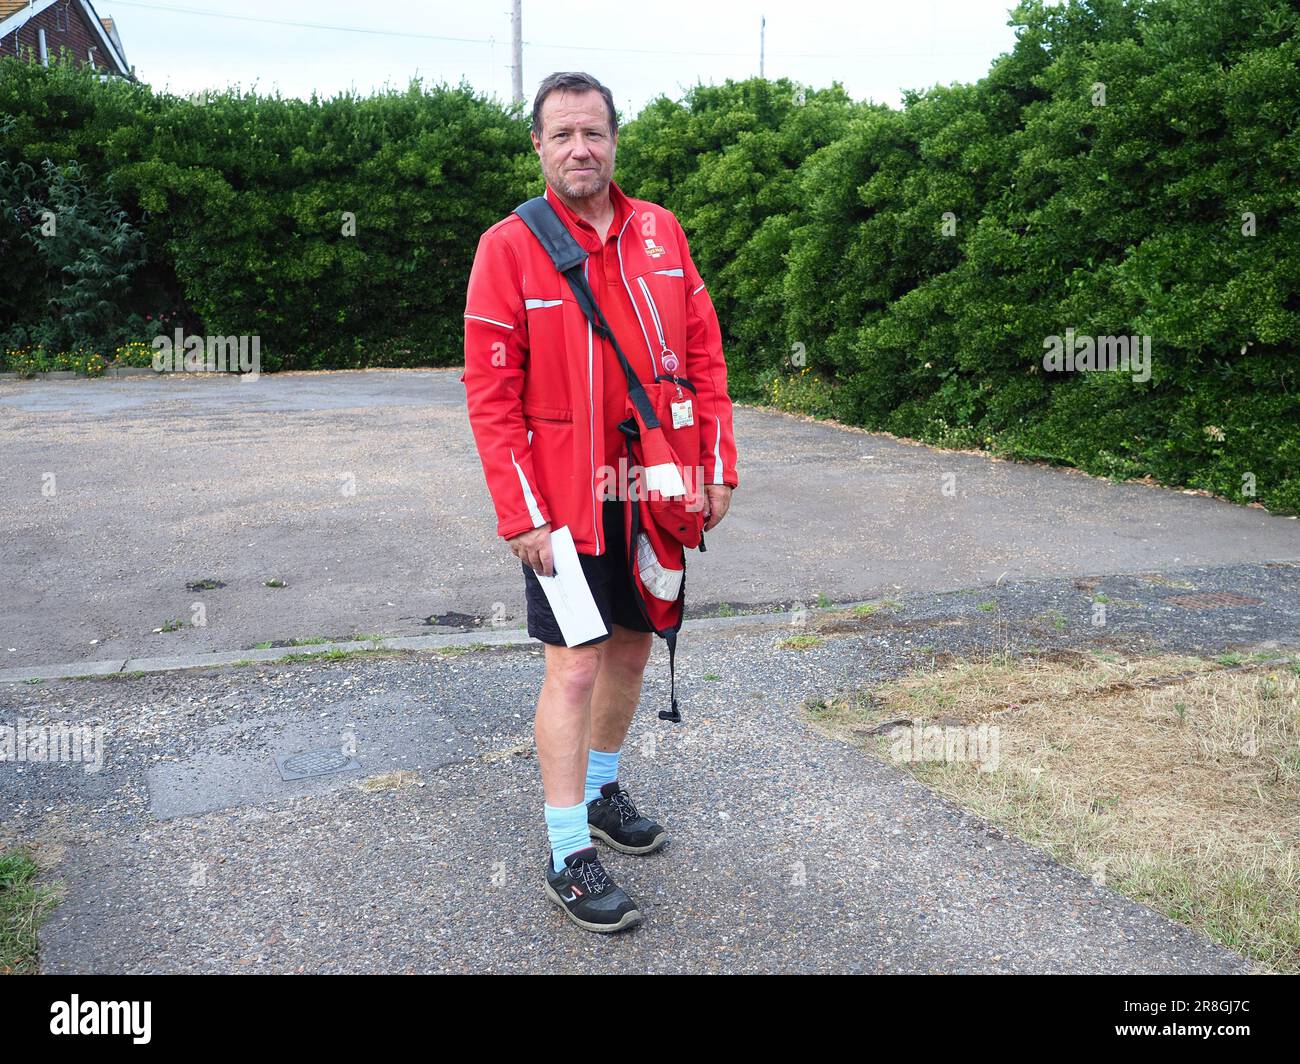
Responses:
[652,249]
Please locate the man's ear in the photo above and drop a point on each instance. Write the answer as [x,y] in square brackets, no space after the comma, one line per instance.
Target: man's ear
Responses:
[537,142]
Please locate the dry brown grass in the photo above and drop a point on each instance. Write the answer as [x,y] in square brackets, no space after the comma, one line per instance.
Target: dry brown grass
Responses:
[397,780]
[1174,780]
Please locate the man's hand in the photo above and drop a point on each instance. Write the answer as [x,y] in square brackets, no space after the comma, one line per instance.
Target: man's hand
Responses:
[718,500]
[534,549]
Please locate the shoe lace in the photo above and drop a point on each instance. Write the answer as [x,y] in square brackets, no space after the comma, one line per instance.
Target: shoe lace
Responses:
[592,875]
[623,803]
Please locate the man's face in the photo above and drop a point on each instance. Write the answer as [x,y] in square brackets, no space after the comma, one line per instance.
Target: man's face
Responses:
[575,147]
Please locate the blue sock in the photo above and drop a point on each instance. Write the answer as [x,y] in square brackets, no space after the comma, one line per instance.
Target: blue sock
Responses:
[566,827]
[602,768]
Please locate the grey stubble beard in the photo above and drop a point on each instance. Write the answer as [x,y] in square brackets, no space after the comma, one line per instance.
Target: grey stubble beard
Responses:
[569,192]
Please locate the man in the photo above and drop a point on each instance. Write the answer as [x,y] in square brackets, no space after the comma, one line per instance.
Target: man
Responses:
[545,395]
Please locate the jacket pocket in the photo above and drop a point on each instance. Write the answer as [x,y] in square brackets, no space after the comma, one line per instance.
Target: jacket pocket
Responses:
[546,393]
[540,412]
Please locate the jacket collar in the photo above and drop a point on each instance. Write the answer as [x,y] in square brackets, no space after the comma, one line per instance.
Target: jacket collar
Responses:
[582,230]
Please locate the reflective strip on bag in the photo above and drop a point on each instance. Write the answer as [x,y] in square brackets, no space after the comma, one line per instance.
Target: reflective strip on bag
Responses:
[666,479]
[663,583]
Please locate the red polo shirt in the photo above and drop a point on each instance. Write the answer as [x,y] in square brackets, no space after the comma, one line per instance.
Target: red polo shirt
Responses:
[606,280]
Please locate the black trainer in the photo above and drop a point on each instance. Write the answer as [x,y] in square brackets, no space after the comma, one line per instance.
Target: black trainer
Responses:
[588,896]
[613,819]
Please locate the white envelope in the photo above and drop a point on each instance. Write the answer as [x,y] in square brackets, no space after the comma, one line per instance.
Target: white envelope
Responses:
[568,593]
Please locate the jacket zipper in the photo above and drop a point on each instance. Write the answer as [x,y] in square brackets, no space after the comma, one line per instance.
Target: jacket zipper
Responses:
[659,330]
[597,515]
[654,364]
[654,313]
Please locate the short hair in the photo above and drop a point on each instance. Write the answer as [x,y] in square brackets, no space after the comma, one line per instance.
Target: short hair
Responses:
[571,81]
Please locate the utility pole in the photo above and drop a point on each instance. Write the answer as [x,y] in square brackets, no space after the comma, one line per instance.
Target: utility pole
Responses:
[517,50]
[762,43]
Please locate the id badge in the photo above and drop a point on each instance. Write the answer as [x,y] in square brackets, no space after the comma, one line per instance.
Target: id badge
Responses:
[682,414]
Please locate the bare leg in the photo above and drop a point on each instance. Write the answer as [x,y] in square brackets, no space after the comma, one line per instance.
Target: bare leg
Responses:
[588,699]
[617,688]
[562,726]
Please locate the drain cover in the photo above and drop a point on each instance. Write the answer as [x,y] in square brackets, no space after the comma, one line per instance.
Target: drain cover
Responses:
[454,620]
[1213,600]
[313,763]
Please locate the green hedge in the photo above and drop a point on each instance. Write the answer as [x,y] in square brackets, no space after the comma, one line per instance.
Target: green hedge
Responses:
[900,269]
[247,204]
[1112,215]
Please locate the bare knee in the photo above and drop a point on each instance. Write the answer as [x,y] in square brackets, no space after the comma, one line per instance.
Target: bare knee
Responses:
[627,651]
[571,671]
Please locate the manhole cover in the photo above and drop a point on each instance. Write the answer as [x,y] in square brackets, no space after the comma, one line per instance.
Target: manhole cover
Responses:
[1213,600]
[313,763]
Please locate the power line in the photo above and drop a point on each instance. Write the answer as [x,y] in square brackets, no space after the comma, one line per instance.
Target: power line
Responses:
[531,44]
[300,25]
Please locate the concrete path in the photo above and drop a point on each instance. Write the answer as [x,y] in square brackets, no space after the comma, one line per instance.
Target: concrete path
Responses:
[362,492]
[791,851]
[188,850]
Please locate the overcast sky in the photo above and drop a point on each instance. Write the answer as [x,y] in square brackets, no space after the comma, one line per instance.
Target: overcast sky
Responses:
[875,48]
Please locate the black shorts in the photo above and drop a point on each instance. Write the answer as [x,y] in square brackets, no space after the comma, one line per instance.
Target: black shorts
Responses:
[607,576]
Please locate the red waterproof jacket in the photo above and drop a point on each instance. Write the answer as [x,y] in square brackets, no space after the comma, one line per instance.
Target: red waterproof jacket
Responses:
[533,376]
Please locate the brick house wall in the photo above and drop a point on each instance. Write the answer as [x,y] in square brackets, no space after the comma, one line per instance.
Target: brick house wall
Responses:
[78,38]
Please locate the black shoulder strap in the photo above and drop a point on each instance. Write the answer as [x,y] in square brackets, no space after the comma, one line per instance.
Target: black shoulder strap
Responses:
[568,257]
[553,234]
